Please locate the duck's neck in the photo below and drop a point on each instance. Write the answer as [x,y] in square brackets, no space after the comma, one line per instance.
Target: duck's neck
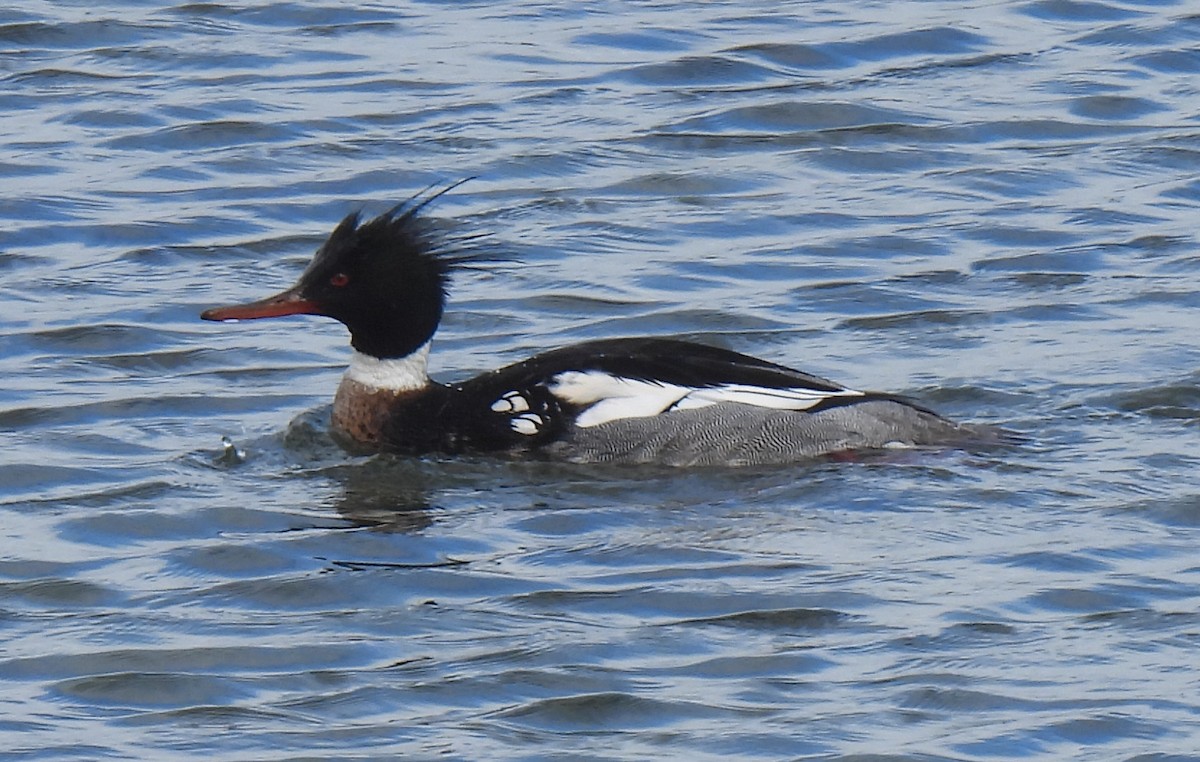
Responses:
[369,391]
[398,375]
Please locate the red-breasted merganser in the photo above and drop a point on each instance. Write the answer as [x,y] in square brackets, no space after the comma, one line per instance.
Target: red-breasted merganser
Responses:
[643,400]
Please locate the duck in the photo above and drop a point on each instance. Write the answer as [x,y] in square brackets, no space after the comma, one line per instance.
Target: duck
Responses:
[650,400]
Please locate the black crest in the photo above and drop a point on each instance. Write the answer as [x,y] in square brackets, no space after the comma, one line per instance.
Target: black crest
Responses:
[400,232]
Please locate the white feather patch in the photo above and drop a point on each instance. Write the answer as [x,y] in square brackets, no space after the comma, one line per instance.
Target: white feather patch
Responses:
[404,374]
[612,397]
[511,402]
[528,424]
[608,398]
[761,396]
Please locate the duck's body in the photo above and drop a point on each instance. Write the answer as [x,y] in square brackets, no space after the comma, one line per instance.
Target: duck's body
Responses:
[645,400]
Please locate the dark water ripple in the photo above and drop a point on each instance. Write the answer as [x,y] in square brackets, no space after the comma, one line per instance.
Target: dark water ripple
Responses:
[989,207]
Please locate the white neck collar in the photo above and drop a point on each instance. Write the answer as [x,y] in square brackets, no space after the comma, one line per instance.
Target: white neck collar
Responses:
[403,374]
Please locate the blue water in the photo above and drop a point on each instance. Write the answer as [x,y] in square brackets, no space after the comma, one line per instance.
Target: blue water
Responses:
[988,206]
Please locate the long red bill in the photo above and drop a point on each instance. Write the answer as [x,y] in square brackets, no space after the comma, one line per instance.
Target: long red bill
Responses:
[288,303]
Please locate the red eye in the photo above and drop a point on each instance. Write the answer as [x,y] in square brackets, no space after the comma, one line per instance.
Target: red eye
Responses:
[339,280]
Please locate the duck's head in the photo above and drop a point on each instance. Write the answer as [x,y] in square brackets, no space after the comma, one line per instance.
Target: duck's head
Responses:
[384,279]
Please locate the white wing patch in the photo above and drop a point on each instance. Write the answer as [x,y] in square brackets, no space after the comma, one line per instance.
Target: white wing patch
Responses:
[608,398]
[795,398]
[511,402]
[527,424]
[523,421]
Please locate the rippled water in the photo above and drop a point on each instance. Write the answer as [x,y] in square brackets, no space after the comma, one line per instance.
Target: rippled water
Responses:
[990,206]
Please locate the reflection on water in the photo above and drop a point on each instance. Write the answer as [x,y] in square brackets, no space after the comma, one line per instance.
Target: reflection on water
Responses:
[989,208]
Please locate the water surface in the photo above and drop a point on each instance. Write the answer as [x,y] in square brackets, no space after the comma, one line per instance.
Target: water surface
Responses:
[990,207]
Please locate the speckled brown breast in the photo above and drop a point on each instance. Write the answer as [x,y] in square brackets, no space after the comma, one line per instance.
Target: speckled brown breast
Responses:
[359,412]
